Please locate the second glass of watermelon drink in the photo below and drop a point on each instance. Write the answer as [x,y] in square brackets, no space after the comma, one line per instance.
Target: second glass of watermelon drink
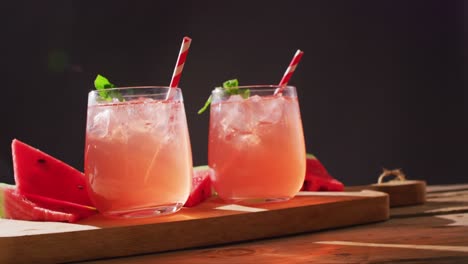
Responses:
[138,159]
[256,144]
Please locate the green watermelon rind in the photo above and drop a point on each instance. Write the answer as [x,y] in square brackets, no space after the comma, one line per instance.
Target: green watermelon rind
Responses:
[310,156]
[3,187]
[201,167]
[2,213]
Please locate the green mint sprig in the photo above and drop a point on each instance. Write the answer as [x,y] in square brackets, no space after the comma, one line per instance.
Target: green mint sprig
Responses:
[101,84]
[231,87]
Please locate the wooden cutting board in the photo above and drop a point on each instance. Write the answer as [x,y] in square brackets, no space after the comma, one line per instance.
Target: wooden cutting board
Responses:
[210,223]
[401,193]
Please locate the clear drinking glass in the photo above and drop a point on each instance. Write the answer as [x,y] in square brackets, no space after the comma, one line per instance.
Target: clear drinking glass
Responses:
[256,144]
[138,159]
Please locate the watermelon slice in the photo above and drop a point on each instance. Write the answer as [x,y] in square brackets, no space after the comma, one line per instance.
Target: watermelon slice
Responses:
[77,210]
[13,205]
[39,174]
[317,177]
[201,186]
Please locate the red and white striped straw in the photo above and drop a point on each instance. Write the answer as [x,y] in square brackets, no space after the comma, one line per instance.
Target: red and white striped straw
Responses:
[180,62]
[291,68]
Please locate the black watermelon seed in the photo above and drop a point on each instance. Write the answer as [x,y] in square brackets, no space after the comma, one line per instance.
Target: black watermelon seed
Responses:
[41,161]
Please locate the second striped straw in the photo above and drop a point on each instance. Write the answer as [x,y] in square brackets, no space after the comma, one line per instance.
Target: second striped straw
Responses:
[184,48]
[289,71]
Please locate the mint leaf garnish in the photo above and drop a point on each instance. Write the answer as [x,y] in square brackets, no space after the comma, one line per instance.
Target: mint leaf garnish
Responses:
[207,104]
[231,87]
[101,84]
[234,83]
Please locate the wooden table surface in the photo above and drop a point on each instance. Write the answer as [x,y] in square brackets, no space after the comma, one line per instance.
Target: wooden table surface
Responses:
[436,232]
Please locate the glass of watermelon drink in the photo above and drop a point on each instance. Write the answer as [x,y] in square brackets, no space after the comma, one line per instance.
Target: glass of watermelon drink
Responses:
[138,159]
[256,144]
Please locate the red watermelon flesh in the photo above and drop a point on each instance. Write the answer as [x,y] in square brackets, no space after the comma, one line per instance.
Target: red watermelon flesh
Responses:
[201,186]
[13,205]
[317,177]
[37,173]
[77,210]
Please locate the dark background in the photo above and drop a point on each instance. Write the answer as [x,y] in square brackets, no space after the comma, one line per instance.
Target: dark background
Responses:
[381,83]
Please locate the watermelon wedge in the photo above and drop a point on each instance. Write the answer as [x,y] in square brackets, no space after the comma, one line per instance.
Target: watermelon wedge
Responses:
[317,177]
[201,186]
[13,205]
[39,174]
[77,210]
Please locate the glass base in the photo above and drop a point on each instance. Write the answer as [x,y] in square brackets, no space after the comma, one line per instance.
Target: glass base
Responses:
[256,200]
[145,212]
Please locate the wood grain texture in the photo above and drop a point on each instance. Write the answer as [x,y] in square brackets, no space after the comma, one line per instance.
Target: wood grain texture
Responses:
[401,193]
[204,225]
[415,236]
[320,247]
[438,203]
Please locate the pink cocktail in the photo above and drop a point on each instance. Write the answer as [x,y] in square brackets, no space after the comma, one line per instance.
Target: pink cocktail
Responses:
[138,158]
[256,144]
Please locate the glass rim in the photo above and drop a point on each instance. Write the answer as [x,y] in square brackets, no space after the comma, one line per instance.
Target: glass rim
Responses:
[261,86]
[138,88]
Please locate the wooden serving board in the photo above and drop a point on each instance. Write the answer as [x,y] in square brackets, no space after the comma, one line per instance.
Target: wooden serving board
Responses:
[210,223]
[401,193]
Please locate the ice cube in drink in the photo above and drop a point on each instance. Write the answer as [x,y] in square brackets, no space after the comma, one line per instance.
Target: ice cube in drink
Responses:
[137,156]
[256,146]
